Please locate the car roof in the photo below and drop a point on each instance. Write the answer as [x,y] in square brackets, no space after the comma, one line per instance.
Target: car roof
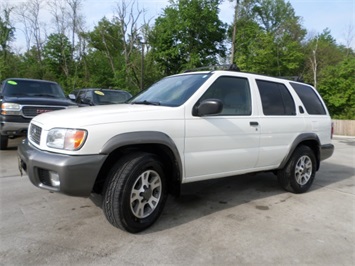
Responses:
[98,89]
[232,68]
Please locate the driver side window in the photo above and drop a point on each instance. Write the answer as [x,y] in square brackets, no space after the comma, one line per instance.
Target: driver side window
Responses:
[234,93]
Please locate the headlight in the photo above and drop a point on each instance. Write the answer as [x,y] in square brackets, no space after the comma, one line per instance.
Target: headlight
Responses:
[10,109]
[66,139]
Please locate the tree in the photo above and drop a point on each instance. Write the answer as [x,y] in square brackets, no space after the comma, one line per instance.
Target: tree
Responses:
[57,55]
[189,34]
[321,51]
[270,39]
[6,36]
[76,19]
[29,15]
[106,41]
[131,34]
[337,87]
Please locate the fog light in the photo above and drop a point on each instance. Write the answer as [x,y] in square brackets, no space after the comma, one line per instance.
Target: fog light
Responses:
[54,179]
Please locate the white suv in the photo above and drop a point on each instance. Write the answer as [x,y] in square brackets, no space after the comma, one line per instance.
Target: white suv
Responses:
[185,128]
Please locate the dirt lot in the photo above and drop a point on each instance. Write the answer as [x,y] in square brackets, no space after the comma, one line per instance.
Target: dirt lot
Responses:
[235,221]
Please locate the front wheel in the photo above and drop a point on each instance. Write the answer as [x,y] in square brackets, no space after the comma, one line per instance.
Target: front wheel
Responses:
[298,174]
[136,192]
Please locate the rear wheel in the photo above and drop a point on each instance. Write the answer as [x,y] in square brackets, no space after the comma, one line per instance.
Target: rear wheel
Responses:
[135,192]
[298,174]
[3,142]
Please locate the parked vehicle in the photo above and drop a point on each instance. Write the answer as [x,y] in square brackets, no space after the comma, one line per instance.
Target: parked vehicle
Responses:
[185,128]
[92,96]
[22,99]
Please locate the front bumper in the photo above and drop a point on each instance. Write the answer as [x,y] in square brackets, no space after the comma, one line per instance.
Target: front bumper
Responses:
[77,174]
[14,125]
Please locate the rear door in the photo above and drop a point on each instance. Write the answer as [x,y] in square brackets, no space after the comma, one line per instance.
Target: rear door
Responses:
[280,123]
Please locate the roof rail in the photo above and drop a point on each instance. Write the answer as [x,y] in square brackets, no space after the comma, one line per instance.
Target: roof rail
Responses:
[294,78]
[232,67]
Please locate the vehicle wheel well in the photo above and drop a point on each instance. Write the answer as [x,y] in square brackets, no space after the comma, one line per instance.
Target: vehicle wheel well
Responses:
[171,166]
[314,145]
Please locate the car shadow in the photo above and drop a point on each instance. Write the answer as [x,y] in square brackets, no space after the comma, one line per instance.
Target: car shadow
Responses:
[200,199]
[349,142]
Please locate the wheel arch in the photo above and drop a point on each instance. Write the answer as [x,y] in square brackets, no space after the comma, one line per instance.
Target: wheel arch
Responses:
[157,143]
[308,139]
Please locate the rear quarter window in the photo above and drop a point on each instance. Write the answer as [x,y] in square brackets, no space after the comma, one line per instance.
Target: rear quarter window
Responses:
[309,98]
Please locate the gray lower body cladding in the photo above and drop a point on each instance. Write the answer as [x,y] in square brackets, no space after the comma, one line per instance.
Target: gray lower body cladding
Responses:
[76,174]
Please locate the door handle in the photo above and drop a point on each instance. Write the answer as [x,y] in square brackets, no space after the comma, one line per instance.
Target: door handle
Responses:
[254,123]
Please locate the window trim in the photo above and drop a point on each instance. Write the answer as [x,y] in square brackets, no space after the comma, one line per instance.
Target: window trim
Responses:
[229,115]
[280,85]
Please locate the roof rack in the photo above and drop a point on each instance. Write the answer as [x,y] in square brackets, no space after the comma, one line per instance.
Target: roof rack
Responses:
[294,78]
[232,67]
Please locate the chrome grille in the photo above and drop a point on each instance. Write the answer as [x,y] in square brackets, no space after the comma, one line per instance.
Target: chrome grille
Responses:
[32,111]
[35,133]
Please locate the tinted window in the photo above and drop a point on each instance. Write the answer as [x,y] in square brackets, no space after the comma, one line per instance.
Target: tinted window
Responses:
[81,96]
[233,92]
[110,97]
[32,88]
[276,99]
[88,96]
[309,98]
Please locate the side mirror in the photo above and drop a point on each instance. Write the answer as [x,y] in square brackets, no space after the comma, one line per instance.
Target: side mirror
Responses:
[71,97]
[208,107]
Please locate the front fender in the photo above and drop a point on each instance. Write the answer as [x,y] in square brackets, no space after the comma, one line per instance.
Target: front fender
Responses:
[142,137]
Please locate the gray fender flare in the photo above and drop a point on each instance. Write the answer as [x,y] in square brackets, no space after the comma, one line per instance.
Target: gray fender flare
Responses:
[142,137]
[301,138]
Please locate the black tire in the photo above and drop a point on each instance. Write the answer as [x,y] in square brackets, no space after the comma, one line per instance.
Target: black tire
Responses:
[298,174]
[3,142]
[130,202]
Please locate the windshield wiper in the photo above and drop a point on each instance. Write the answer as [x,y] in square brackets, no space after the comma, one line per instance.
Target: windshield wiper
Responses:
[146,102]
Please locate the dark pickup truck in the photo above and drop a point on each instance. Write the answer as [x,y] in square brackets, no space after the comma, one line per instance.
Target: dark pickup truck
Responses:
[22,99]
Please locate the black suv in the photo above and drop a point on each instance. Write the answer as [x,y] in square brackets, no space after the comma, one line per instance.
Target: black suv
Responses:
[22,99]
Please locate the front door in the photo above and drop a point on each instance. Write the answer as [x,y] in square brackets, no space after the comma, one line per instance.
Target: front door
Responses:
[227,143]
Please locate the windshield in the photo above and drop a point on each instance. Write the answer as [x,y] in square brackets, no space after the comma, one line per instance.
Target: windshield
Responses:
[171,91]
[32,88]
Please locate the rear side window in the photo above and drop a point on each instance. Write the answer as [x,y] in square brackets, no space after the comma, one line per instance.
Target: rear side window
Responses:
[275,98]
[310,99]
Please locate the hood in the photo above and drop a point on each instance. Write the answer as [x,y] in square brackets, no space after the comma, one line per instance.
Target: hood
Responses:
[96,115]
[39,101]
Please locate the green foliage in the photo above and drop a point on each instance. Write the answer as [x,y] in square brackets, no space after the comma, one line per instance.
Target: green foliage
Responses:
[320,52]
[30,68]
[268,39]
[106,37]
[7,32]
[57,55]
[189,34]
[337,88]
